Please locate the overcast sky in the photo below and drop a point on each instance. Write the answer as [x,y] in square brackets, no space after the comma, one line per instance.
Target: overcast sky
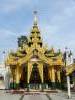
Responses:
[56,20]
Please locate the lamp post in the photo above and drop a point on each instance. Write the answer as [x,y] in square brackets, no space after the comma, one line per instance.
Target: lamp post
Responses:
[68,87]
[68,78]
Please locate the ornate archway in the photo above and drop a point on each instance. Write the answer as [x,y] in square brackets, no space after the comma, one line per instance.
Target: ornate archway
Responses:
[35,78]
[35,75]
[23,78]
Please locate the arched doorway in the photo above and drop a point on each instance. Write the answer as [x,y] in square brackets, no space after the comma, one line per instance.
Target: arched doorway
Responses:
[23,79]
[46,76]
[35,79]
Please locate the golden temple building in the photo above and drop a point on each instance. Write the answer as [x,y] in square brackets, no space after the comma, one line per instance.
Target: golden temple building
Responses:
[34,66]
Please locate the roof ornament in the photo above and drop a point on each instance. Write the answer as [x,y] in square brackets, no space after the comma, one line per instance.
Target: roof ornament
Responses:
[35,17]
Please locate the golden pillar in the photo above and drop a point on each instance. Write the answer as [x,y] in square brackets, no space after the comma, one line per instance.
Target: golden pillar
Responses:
[13,70]
[50,74]
[29,67]
[58,75]
[59,79]
[29,71]
[53,77]
[17,75]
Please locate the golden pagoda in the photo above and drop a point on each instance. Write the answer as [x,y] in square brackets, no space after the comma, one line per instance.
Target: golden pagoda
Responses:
[34,66]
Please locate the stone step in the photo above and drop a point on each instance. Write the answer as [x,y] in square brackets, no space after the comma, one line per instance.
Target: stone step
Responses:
[32,91]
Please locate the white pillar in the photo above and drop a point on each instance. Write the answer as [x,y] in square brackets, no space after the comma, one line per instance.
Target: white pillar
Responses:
[68,87]
[46,86]
[7,80]
[40,86]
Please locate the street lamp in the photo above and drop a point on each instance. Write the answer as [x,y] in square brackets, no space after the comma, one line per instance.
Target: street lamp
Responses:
[68,78]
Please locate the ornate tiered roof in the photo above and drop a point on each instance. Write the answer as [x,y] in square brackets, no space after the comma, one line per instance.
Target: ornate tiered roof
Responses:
[35,47]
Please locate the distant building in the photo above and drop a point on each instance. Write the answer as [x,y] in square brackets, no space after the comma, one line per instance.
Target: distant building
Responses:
[2,75]
[2,69]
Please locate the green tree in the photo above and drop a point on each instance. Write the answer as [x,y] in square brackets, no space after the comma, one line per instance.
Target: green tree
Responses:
[22,40]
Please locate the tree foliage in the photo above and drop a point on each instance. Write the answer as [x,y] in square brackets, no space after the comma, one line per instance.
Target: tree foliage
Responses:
[22,40]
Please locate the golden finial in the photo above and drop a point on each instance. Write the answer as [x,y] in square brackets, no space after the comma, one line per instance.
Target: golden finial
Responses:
[35,17]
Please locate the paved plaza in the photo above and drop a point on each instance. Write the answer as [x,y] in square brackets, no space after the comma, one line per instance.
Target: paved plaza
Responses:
[32,96]
[61,96]
[35,96]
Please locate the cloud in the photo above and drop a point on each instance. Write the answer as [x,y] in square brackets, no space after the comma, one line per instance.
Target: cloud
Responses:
[52,37]
[8,38]
[57,21]
[12,5]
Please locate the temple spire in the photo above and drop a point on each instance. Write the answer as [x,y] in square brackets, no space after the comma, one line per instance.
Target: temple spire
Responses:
[35,17]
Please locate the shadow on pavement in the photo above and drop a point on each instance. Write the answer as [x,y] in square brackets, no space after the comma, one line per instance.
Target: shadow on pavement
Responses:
[48,97]
[21,98]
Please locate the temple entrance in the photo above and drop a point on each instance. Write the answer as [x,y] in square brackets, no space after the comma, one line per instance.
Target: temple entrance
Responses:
[23,79]
[35,79]
[46,77]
